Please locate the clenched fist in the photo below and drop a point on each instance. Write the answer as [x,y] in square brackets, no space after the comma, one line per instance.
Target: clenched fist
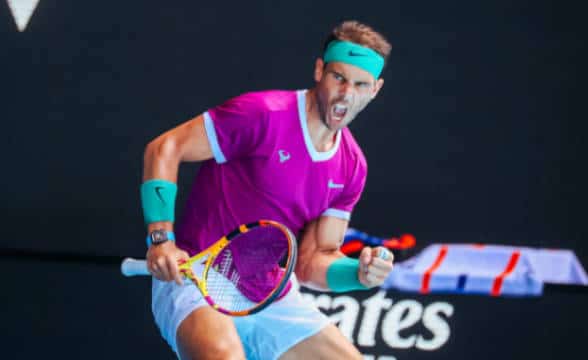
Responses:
[374,266]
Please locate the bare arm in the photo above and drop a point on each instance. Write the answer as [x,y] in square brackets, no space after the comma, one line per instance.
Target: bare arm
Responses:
[162,158]
[319,248]
[186,142]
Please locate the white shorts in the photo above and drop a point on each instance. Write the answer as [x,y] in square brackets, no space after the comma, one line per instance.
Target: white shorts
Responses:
[265,335]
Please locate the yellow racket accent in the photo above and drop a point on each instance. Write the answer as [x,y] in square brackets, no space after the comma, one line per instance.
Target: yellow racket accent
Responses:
[206,257]
[242,272]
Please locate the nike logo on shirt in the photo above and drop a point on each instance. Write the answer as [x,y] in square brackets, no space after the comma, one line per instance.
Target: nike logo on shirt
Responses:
[332,185]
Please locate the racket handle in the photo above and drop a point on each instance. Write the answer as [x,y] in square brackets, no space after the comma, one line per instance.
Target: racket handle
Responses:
[134,267]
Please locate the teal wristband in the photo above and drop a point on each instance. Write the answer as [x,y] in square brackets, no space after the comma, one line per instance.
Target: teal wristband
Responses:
[158,198]
[342,275]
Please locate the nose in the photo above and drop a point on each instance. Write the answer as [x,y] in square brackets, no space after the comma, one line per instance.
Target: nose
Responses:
[346,90]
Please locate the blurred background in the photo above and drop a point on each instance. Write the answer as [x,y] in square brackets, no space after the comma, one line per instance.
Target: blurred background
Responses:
[477,136]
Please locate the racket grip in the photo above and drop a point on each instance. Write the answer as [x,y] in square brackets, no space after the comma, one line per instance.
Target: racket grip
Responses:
[134,267]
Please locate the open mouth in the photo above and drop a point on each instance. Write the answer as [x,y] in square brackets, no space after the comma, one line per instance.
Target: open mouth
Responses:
[338,111]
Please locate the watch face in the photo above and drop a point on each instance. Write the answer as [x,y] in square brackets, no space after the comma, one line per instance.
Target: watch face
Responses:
[158,236]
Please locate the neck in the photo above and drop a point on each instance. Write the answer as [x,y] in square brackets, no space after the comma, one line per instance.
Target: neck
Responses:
[323,139]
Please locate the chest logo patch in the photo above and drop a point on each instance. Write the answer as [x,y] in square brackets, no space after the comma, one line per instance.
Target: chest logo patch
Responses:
[284,155]
[333,185]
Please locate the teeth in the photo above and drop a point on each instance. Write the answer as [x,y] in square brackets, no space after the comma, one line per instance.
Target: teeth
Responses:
[340,109]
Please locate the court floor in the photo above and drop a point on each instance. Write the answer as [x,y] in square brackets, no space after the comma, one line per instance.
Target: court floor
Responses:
[76,311]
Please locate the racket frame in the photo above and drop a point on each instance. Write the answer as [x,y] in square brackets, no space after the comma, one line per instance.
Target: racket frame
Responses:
[208,255]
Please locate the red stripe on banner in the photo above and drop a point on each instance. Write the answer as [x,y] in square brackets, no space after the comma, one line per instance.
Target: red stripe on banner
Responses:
[512,263]
[352,247]
[406,241]
[427,276]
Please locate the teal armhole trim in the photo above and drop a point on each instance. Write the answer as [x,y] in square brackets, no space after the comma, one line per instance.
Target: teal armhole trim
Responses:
[158,198]
[342,275]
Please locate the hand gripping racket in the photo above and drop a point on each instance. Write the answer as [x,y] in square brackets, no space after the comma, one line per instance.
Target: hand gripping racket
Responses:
[241,273]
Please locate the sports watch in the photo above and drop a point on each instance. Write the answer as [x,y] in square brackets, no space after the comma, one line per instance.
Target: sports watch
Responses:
[159,236]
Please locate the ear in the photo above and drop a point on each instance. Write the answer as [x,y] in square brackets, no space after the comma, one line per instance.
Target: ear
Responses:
[318,69]
[379,84]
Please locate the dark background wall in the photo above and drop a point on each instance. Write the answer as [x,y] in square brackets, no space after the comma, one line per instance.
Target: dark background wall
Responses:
[476,136]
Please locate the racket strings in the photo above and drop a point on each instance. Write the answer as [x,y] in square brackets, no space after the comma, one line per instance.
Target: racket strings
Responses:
[226,294]
[247,271]
[222,280]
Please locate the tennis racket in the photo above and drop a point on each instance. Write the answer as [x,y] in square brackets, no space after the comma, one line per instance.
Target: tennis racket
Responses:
[241,273]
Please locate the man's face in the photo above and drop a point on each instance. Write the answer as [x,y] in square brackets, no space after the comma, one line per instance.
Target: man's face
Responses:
[343,90]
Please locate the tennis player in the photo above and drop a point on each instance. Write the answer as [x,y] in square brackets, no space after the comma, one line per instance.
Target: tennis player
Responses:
[286,156]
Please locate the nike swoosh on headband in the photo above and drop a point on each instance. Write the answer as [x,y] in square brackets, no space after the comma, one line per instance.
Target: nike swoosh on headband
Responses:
[351,53]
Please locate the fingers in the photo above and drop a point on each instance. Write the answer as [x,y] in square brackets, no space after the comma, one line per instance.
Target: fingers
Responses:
[155,270]
[376,275]
[155,265]
[165,268]
[181,257]
[381,255]
[380,270]
[379,266]
[163,263]
[365,257]
[175,274]
[374,280]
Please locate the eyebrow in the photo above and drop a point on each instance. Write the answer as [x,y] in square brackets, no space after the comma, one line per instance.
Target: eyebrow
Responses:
[358,82]
[337,73]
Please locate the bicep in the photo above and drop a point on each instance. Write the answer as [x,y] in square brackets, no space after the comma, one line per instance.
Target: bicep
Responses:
[186,142]
[194,141]
[329,233]
[319,247]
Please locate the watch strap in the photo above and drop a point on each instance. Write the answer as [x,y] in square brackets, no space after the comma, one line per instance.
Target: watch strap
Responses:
[170,236]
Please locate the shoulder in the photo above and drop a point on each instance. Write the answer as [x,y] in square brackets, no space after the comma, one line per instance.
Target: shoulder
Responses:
[266,101]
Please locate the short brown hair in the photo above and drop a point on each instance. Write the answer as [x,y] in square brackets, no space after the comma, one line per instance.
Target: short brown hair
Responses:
[362,34]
